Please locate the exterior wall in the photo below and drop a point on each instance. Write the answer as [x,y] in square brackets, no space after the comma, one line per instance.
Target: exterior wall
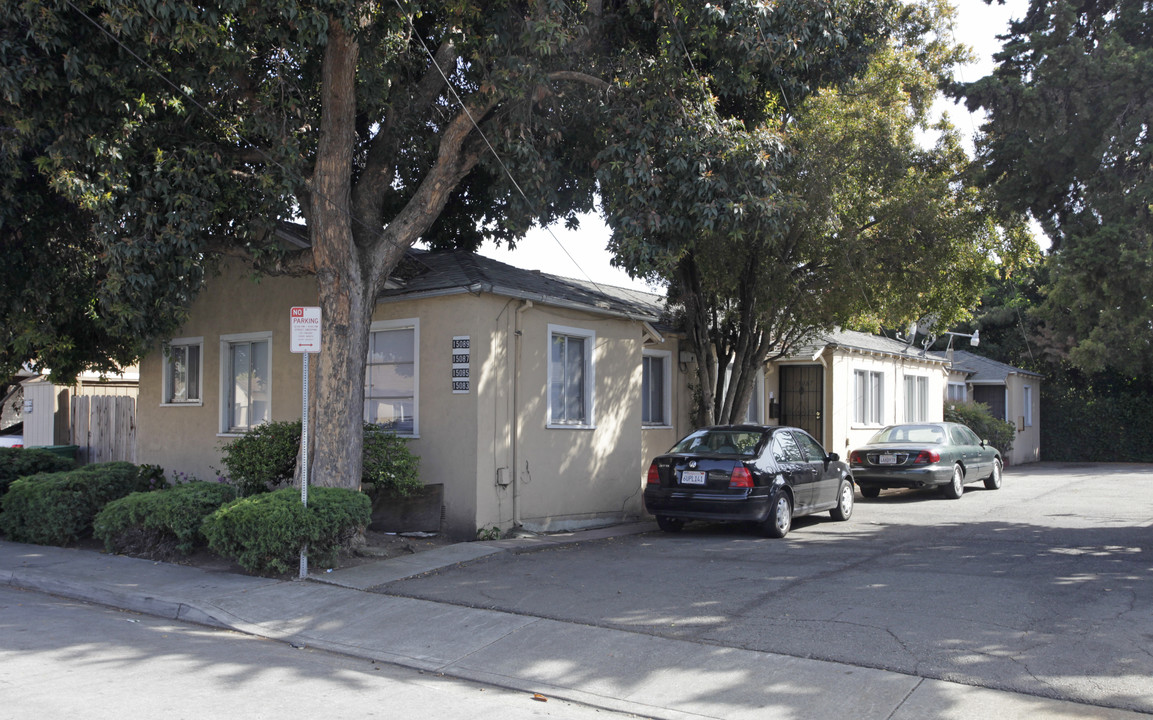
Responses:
[40,424]
[499,460]
[657,439]
[1027,444]
[186,438]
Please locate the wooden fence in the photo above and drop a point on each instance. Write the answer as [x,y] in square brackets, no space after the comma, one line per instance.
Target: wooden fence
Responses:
[104,428]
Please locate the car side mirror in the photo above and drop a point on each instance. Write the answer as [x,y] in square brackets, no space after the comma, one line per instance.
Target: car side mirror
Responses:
[984,442]
[833,457]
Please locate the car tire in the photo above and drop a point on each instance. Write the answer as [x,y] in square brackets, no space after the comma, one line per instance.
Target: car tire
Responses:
[993,482]
[669,524]
[845,498]
[780,519]
[871,492]
[956,487]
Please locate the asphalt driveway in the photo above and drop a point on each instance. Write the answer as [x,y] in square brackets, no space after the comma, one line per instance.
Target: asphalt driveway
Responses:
[1043,587]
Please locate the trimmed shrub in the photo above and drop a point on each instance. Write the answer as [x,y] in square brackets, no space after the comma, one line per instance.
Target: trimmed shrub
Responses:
[264,533]
[58,508]
[22,462]
[160,525]
[389,466]
[264,458]
[999,433]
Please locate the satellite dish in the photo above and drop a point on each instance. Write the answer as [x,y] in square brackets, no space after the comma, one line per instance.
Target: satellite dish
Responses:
[926,323]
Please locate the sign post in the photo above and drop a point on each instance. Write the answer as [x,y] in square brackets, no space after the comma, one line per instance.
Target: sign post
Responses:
[304,338]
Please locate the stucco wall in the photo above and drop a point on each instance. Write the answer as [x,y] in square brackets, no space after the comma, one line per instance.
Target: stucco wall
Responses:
[1027,443]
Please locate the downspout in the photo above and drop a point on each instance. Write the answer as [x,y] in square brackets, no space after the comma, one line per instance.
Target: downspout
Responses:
[525,305]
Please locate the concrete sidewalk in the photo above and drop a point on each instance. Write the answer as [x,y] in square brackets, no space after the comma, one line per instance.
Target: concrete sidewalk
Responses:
[612,669]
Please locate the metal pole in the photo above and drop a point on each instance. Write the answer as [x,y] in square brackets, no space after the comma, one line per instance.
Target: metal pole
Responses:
[304,462]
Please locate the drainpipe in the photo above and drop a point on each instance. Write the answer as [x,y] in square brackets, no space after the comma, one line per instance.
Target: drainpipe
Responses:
[525,305]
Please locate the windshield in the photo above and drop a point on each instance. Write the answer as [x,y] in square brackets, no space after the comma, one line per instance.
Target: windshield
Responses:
[721,442]
[922,434]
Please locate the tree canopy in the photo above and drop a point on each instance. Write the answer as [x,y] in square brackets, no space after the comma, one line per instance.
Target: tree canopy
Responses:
[823,209]
[1067,139]
[186,133]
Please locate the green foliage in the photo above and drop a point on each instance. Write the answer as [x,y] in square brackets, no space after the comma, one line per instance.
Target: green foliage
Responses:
[264,533]
[999,433]
[389,466]
[1096,418]
[1067,139]
[159,525]
[59,508]
[22,462]
[264,457]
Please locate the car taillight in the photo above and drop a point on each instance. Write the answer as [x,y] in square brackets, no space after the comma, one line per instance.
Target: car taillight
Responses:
[856,459]
[654,477]
[741,477]
[927,457]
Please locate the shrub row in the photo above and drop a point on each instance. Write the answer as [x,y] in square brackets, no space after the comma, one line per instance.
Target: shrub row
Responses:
[21,462]
[59,508]
[160,525]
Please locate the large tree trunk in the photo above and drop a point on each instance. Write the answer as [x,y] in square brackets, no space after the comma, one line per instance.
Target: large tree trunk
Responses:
[345,298]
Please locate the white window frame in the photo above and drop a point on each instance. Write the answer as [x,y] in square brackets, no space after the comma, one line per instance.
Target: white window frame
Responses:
[916,398]
[165,374]
[226,343]
[872,414]
[1027,393]
[665,359]
[590,338]
[964,394]
[404,324]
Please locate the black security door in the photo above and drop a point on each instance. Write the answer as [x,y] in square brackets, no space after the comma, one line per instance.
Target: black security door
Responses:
[803,397]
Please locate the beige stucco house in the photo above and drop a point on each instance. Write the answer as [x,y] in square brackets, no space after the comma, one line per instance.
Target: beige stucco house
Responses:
[535,400]
[1012,394]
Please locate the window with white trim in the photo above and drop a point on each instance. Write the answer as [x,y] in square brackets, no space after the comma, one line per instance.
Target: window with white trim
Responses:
[245,381]
[868,405]
[956,392]
[1028,401]
[655,387]
[183,376]
[392,375]
[570,376]
[916,398]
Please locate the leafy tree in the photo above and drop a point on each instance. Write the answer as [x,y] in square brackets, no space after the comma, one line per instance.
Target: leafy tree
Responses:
[1067,139]
[191,131]
[826,210]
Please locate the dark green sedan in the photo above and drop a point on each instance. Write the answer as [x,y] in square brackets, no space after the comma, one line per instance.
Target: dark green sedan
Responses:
[925,455]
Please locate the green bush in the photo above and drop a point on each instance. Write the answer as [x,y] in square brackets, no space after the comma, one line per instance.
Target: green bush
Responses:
[22,462]
[264,458]
[160,525]
[389,466]
[264,533]
[58,508]
[999,433]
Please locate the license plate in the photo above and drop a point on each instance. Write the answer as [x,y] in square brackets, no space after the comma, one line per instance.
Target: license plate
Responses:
[693,477]
[887,460]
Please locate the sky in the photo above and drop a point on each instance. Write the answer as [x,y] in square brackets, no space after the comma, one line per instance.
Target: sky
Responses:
[581,253]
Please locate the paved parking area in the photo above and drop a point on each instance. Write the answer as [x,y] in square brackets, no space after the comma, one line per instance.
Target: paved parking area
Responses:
[1043,587]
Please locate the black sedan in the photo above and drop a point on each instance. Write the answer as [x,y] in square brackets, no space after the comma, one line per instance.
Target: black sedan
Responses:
[925,455]
[747,473]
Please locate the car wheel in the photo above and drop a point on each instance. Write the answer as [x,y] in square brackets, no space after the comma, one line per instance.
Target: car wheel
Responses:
[780,520]
[956,486]
[845,497]
[993,482]
[668,524]
[871,492]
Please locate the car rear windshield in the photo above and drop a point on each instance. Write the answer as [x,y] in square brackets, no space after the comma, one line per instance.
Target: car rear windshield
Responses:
[921,434]
[720,442]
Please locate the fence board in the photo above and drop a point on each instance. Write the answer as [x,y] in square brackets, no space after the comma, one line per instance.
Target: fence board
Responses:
[104,428]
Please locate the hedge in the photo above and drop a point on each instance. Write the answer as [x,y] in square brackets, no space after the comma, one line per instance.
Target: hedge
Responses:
[264,533]
[59,508]
[160,525]
[999,433]
[22,462]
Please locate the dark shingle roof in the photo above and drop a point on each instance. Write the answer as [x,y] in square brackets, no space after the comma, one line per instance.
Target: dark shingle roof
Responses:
[450,272]
[985,370]
[866,342]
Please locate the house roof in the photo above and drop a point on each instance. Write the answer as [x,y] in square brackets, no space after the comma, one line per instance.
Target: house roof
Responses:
[983,370]
[441,273]
[867,343]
